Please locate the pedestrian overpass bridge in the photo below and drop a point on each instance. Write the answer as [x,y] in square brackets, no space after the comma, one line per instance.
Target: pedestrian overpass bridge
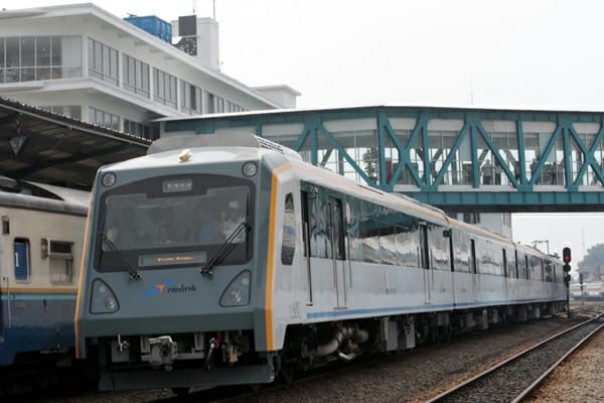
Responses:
[460,159]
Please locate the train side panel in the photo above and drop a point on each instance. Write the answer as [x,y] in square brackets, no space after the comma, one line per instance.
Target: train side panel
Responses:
[39,254]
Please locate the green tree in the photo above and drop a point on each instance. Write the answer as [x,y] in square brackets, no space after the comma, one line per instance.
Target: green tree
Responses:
[594,257]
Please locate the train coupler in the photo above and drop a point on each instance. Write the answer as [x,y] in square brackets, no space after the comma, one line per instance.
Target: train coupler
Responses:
[163,352]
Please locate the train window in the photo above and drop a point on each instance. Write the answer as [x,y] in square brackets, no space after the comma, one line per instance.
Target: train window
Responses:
[317,211]
[511,264]
[489,259]
[337,234]
[407,244]
[523,267]
[61,261]
[549,272]
[288,240]
[461,251]
[305,225]
[535,268]
[355,243]
[21,256]
[439,247]
[140,220]
[370,237]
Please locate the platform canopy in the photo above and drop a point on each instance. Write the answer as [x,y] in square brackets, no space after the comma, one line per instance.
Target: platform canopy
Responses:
[41,146]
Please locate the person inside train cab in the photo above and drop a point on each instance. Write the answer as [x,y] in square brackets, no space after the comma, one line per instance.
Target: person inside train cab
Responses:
[124,230]
[487,172]
[230,220]
[164,234]
[206,222]
[130,233]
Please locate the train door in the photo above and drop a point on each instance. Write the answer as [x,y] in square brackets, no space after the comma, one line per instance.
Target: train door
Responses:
[424,254]
[336,236]
[306,238]
[474,269]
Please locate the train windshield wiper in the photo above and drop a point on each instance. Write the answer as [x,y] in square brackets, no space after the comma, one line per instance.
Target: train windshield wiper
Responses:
[225,250]
[134,274]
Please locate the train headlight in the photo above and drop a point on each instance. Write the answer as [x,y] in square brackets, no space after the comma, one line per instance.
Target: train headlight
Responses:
[250,169]
[108,179]
[103,298]
[237,292]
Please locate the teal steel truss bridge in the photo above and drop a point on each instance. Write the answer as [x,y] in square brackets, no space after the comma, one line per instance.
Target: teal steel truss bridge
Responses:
[455,158]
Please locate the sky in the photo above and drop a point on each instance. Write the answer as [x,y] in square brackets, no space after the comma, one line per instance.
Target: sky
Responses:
[507,53]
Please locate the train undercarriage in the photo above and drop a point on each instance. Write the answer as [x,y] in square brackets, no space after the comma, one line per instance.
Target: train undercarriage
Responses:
[182,361]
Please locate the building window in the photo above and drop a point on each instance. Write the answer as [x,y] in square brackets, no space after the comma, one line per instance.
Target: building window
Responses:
[164,88]
[190,98]
[219,104]
[136,76]
[31,58]
[102,62]
[71,111]
[215,103]
[471,218]
[141,130]
[101,118]
[507,219]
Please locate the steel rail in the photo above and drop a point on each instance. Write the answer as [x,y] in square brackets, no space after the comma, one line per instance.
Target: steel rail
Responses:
[538,381]
[509,360]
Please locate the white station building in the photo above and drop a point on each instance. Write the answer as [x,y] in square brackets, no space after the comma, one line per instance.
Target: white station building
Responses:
[83,62]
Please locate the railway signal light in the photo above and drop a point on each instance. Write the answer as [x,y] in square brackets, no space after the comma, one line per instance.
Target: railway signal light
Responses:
[566,255]
[567,279]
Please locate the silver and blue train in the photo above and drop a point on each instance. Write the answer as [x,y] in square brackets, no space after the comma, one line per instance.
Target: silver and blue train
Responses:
[218,260]
[40,255]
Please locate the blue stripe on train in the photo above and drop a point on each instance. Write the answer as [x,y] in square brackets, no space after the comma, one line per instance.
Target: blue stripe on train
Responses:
[38,322]
[408,309]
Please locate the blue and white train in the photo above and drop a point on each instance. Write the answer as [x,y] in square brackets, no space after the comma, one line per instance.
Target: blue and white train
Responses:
[228,260]
[40,253]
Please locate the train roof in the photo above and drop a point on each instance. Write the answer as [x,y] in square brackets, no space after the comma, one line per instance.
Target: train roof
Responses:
[37,196]
[234,139]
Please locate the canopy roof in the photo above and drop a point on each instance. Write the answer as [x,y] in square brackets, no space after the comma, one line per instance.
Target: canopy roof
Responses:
[45,147]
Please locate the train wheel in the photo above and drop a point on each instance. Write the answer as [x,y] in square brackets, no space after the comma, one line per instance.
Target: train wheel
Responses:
[287,374]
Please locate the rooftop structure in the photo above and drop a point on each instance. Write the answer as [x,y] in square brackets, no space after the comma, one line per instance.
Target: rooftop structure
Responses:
[83,62]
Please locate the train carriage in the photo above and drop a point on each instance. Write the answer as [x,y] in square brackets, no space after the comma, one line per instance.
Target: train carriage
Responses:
[40,253]
[228,260]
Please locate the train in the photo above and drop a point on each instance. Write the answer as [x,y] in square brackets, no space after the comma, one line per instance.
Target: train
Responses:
[42,227]
[226,259]
[590,290]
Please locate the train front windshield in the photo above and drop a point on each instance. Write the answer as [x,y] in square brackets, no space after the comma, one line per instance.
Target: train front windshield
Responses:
[174,221]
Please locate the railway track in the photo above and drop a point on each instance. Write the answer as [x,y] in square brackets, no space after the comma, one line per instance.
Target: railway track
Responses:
[514,378]
[386,378]
[248,393]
